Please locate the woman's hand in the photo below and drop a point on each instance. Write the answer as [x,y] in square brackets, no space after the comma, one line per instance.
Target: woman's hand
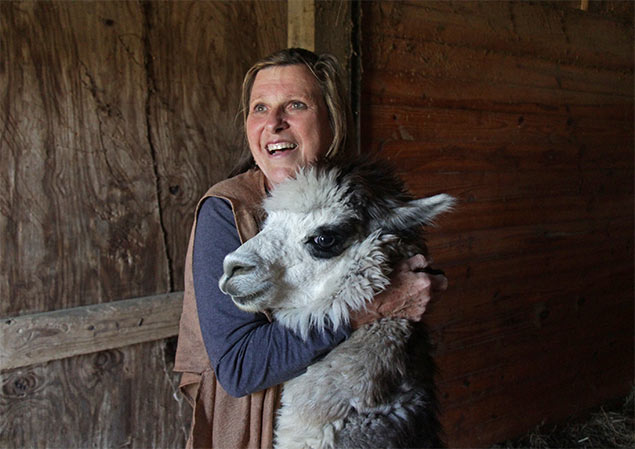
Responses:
[407,296]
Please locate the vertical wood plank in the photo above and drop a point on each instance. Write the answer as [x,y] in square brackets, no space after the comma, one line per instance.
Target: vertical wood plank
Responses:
[334,23]
[79,220]
[337,24]
[116,117]
[193,118]
[301,24]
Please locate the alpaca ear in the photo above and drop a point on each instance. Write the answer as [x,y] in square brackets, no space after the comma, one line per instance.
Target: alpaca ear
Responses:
[419,212]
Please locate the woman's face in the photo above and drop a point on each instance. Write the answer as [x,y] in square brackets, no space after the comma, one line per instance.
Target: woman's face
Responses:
[288,125]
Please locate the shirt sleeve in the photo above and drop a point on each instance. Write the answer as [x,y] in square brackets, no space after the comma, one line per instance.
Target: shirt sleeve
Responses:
[248,353]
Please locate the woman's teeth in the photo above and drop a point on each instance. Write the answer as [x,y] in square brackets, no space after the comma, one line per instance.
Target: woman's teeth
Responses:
[283,146]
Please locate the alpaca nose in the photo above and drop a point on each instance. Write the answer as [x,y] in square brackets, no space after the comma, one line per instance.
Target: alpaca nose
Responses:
[233,266]
[236,274]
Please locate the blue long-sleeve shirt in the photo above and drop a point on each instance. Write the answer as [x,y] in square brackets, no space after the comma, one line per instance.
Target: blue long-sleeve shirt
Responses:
[248,353]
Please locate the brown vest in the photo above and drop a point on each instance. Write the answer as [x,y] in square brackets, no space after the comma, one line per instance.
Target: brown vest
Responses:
[219,420]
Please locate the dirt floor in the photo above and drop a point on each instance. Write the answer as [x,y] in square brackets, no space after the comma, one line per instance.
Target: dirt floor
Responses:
[611,426]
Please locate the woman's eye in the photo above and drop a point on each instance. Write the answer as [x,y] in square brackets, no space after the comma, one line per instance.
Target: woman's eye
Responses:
[259,108]
[324,241]
[297,105]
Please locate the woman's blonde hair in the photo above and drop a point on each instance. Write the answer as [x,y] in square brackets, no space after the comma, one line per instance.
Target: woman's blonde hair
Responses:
[330,78]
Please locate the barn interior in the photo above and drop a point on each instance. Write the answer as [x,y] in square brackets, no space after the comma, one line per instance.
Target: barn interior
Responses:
[117,117]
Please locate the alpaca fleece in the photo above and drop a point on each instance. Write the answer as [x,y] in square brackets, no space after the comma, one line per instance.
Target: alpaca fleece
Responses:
[328,245]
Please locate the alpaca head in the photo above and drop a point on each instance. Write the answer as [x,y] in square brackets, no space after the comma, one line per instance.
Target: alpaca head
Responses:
[327,246]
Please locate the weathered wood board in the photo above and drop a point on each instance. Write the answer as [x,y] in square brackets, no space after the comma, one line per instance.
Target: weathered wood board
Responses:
[524,111]
[116,117]
[79,216]
[27,340]
[193,115]
[121,398]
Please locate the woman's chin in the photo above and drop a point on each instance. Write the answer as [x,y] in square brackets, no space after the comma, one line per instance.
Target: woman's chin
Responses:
[279,174]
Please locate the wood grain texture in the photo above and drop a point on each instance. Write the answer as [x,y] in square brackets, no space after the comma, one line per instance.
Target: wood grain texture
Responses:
[301,24]
[79,219]
[337,24]
[115,118]
[524,111]
[120,398]
[334,24]
[193,120]
[33,339]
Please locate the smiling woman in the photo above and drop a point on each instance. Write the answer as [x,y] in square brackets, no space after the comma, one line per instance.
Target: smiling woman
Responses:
[295,112]
[287,126]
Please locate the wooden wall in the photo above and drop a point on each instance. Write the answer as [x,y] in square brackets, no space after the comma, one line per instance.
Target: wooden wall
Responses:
[115,118]
[524,111]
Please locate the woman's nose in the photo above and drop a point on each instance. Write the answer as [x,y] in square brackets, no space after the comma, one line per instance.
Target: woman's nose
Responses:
[276,121]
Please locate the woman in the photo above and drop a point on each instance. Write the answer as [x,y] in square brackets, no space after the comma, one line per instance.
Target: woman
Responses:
[295,112]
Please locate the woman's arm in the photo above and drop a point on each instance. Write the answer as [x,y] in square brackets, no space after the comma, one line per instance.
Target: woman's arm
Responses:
[248,353]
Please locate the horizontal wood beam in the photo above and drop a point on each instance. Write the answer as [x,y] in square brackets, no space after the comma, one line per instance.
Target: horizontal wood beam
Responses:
[38,338]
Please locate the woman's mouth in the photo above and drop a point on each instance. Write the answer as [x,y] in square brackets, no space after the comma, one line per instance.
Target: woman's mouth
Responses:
[274,148]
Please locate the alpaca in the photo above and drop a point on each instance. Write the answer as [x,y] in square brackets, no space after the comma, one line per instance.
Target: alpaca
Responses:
[327,247]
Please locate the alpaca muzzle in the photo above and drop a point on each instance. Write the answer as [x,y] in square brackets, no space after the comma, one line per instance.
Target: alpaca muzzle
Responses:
[245,281]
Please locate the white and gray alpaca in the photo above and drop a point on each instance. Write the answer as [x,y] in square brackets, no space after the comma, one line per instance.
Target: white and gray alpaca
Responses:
[327,247]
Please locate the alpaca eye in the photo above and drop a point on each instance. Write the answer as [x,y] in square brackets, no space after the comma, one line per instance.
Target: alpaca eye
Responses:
[324,241]
[328,241]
